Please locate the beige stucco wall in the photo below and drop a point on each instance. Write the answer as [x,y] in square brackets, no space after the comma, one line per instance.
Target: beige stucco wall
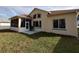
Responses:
[47,23]
[71,25]
[43,18]
[77,20]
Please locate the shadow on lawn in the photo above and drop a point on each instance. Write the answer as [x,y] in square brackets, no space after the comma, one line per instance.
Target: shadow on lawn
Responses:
[40,34]
[6,30]
[67,45]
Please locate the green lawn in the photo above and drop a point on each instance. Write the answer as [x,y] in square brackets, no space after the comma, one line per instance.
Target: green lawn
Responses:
[40,42]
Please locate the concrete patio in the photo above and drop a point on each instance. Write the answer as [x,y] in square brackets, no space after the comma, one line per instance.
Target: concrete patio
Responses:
[30,32]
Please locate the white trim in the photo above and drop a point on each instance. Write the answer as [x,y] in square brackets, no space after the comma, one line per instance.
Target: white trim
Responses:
[58,24]
[19,23]
[38,28]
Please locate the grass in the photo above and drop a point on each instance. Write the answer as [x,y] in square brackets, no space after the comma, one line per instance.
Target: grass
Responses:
[40,42]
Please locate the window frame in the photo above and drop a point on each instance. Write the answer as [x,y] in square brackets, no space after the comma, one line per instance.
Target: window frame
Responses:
[61,22]
[59,27]
[54,23]
[39,24]
[78,18]
[38,15]
[34,16]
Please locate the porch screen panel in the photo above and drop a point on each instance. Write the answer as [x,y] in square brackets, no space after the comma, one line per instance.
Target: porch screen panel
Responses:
[14,23]
[23,23]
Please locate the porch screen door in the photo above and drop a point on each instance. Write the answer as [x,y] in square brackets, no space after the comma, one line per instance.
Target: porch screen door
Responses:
[27,26]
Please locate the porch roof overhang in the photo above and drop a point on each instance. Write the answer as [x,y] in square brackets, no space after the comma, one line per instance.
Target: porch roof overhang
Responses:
[26,17]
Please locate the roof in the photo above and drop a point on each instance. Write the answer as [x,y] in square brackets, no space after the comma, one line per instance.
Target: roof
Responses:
[21,16]
[38,9]
[63,11]
[57,11]
[50,13]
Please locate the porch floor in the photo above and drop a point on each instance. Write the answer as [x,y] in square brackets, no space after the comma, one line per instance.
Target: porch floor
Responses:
[30,32]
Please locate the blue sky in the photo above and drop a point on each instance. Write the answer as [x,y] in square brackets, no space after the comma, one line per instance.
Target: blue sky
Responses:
[9,11]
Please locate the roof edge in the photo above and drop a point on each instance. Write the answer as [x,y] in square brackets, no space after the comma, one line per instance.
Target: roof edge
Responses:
[38,9]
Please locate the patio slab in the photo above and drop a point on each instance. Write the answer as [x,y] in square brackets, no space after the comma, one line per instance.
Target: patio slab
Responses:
[30,32]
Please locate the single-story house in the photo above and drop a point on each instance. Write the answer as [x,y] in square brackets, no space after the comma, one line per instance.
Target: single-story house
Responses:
[4,24]
[60,22]
[77,20]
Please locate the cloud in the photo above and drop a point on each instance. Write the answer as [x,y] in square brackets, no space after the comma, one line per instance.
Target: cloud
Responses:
[9,11]
[18,10]
[65,8]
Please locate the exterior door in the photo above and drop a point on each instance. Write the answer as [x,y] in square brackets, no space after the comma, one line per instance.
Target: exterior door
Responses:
[27,26]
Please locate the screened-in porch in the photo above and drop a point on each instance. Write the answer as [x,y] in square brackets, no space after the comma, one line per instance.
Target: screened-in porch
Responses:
[21,23]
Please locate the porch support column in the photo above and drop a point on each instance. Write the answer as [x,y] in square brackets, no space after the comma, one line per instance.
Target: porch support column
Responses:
[19,23]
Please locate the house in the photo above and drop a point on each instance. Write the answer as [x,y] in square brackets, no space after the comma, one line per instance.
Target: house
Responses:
[4,24]
[77,20]
[62,22]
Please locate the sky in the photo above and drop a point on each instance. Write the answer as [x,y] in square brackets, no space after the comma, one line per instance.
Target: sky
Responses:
[9,11]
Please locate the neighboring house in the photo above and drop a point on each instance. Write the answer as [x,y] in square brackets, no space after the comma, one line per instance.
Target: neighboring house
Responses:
[60,22]
[4,24]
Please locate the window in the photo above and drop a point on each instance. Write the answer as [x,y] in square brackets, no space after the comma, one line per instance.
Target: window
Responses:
[34,16]
[37,23]
[59,23]
[23,23]
[33,23]
[78,17]
[39,15]
[55,23]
